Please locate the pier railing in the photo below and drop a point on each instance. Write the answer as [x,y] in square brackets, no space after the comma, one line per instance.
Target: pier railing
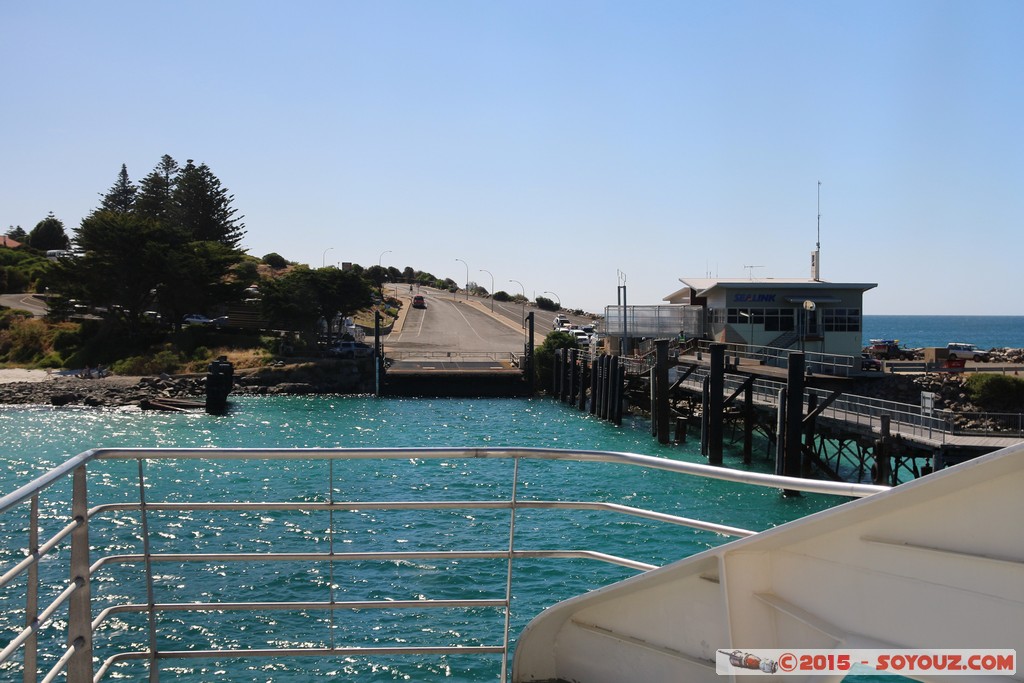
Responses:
[834,364]
[905,418]
[66,621]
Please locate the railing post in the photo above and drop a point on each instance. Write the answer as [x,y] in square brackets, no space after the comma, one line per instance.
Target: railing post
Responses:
[508,576]
[80,605]
[30,670]
[154,668]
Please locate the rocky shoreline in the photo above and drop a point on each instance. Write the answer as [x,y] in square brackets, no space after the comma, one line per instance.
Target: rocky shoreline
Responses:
[356,377]
[331,377]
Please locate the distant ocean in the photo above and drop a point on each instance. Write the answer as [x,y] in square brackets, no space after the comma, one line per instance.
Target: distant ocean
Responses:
[916,331]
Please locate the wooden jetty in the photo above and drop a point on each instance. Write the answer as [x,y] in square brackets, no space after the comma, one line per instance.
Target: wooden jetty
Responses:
[814,431]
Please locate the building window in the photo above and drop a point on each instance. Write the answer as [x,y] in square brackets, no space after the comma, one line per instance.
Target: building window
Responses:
[771,319]
[841,319]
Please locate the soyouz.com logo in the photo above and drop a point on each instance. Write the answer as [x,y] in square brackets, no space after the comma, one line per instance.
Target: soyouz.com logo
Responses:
[767,662]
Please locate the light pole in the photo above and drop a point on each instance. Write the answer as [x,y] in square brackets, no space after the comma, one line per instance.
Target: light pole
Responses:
[467,276]
[524,299]
[750,319]
[557,300]
[492,287]
[379,259]
[323,259]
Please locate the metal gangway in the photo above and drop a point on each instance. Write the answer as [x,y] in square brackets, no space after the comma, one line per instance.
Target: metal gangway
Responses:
[933,426]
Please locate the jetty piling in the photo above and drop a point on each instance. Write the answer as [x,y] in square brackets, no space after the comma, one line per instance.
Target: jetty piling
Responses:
[219,382]
[660,408]
[716,404]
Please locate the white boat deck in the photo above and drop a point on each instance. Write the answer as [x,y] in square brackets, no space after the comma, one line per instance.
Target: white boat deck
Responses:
[934,563]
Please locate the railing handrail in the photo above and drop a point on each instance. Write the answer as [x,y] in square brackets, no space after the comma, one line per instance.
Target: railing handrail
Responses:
[835,364]
[77,658]
[487,355]
[939,421]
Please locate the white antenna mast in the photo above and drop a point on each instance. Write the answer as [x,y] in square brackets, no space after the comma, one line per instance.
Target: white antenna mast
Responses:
[816,256]
[750,271]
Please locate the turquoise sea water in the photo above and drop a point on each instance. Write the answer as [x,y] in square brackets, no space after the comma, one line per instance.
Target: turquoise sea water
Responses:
[918,331]
[37,438]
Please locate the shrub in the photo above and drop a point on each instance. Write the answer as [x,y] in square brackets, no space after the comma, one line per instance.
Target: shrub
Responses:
[544,355]
[163,361]
[275,261]
[24,340]
[996,392]
[51,360]
[67,337]
[545,304]
[502,296]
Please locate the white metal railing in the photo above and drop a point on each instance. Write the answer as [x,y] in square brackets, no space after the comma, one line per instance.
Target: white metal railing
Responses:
[68,549]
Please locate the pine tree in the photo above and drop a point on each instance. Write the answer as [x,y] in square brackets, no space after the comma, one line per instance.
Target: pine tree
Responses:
[202,207]
[155,190]
[18,234]
[49,234]
[120,198]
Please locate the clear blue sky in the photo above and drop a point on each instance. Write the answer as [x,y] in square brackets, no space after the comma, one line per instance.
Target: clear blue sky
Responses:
[554,143]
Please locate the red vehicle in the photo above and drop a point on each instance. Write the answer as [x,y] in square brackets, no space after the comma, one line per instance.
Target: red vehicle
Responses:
[888,349]
[419,302]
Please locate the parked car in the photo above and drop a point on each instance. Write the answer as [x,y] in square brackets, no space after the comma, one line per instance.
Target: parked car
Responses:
[867,362]
[196,319]
[963,351]
[419,302]
[350,349]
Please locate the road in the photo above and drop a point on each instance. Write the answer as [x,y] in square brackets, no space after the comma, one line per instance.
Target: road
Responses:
[514,312]
[26,302]
[450,325]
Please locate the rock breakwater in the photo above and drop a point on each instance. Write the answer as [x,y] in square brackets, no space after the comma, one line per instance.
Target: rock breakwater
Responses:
[330,377]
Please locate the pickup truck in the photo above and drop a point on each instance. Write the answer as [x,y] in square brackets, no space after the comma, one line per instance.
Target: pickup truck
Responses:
[888,349]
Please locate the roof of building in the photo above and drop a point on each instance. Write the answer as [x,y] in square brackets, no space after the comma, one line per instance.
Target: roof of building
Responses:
[6,241]
[704,286]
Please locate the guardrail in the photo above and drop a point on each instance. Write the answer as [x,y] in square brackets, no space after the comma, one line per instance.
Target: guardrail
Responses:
[496,356]
[125,536]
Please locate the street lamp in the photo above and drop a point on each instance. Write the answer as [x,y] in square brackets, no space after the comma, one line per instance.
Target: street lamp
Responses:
[379,259]
[750,319]
[323,260]
[467,276]
[524,299]
[492,287]
[558,301]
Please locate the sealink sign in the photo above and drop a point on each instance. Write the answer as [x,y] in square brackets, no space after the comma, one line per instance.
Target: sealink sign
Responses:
[754,298]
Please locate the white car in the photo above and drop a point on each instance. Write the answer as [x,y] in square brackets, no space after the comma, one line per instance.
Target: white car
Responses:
[955,350]
[351,349]
[582,338]
[196,319]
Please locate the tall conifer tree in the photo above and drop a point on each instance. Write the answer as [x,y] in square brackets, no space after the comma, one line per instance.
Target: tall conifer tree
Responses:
[120,198]
[155,190]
